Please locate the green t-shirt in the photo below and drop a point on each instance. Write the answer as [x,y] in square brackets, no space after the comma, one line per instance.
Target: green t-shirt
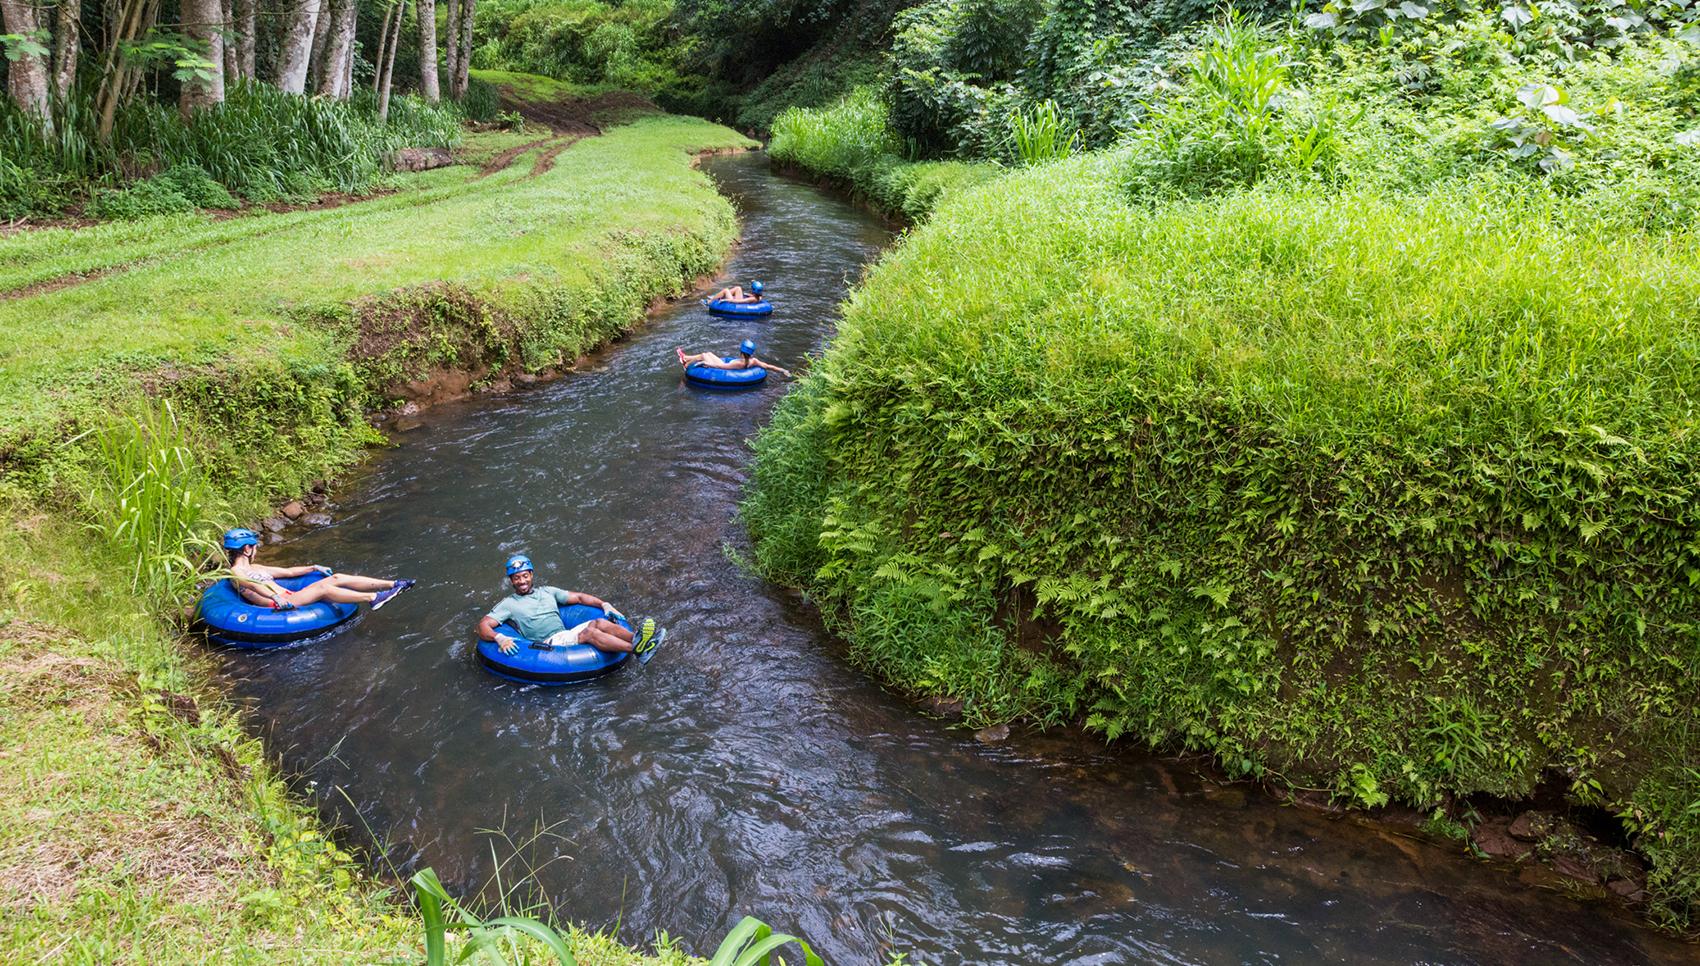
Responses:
[534,615]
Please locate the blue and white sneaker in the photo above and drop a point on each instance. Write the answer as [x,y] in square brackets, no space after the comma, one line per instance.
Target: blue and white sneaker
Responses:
[385,596]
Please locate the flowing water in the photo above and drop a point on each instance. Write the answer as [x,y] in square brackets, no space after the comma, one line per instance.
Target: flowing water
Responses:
[748,769]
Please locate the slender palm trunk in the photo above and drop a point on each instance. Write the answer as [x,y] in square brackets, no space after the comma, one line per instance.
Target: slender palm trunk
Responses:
[129,20]
[383,45]
[386,70]
[26,77]
[296,47]
[203,21]
[426,10]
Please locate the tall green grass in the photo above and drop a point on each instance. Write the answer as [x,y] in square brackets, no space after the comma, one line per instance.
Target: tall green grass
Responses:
[1396,496]
[151,500]
[851,142]
[1041,134]
[260,143]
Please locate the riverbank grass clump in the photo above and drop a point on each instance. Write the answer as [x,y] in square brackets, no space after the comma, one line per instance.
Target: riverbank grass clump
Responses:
[1394,497]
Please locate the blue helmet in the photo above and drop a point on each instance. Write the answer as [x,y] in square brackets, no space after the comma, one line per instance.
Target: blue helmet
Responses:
[240,537]
[755,287]
[519,562]
[747,347]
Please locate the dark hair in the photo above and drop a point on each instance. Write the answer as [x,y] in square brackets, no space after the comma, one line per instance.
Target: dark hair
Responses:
[239,551]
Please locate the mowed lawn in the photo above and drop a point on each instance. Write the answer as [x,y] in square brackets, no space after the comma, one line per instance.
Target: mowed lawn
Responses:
[127,298]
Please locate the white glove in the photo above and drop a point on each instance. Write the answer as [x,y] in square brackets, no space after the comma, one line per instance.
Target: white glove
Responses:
[321,568]
[506,644]
[609,611]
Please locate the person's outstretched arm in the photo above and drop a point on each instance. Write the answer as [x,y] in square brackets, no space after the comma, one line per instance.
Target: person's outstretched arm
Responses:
[589,600]
[770,366]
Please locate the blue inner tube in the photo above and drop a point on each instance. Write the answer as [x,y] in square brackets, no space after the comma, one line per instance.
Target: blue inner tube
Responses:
[536,663]
[723,307]
[711,378]
[233,622]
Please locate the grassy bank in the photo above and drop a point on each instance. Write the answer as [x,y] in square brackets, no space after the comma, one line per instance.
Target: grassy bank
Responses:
[164,378]
[850,144]
[1353,447]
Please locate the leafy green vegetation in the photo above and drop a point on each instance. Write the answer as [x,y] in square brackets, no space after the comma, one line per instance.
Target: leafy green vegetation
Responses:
[851,143]
[1331,415]
[629,45]
[261,144]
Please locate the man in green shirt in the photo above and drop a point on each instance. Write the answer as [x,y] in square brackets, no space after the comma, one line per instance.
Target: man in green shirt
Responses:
[535,612]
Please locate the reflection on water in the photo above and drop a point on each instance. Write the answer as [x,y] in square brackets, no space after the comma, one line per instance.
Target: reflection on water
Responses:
[747,770]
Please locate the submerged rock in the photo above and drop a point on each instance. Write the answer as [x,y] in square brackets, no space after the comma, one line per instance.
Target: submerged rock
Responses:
[992,735]
[317,519]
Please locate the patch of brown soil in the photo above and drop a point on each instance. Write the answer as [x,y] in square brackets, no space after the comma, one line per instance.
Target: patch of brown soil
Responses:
[63,281]
[507,157]
[546,160]
[335,199]
[580,116]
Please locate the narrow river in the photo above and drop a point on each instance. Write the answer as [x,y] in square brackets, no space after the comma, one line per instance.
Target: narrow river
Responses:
[748,769]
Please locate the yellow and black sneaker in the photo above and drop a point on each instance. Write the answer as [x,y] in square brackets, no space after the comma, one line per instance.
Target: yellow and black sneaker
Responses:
[649,637]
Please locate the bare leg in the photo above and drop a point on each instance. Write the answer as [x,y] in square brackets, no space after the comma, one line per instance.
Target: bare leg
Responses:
[606,636]
[708,359]
[325,590]
[357,582]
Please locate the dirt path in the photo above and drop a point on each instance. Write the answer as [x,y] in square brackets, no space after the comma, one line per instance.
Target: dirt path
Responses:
[507,157]
[546,160]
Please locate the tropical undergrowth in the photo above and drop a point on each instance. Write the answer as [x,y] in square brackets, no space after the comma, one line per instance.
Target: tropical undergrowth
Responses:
[1332,414]
[260,145]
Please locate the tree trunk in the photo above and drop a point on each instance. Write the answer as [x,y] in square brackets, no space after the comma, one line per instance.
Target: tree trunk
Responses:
[203,22]
[386,70]
[232,68]
[383,45]
[451,48]
[321,31]
[127,20]
[295,47]
[465,61]
[247,33]
[67,42]
[26,77]
[427,13]
[339,49]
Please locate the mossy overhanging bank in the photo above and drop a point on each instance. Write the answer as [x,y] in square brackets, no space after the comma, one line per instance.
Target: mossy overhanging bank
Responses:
[1329,485]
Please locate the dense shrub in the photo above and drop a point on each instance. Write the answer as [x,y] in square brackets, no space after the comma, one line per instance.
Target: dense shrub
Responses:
[623,44]
[808,82]
[852,143]
[1395,496]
